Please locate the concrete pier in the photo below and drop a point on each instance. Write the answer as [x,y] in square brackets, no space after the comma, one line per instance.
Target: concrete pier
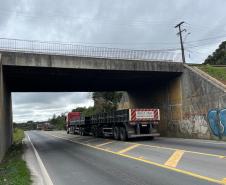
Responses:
[5,115]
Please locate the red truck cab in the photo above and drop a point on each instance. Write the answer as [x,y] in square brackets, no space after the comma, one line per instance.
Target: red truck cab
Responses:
[71,119]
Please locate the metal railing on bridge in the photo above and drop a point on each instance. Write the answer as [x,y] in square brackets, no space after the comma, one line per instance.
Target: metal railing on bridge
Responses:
[72,49]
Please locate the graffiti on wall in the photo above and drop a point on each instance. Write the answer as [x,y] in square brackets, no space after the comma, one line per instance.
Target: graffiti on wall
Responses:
[194,124]
[217,121]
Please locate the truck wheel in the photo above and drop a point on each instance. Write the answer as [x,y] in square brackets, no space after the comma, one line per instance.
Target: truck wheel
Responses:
[96,133]
[123,135]
[93,132]
[82,132]
[116,133]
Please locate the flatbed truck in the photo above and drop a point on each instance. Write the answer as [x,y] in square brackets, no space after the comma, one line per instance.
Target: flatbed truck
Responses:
[120,124]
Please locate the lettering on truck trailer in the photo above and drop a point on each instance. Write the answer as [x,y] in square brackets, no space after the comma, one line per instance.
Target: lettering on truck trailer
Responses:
[145,114]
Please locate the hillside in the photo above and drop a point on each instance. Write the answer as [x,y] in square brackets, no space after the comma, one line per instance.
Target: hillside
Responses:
[217,72]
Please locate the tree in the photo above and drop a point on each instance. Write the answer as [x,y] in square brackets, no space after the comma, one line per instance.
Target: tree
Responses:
[106,101]
[103,102]
[85,111]
[58,121]
[79,109]
[218,57]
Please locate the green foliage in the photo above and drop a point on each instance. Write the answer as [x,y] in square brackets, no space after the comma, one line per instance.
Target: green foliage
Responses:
[85,111]
[79,109]
[103,102]
[26,126]
[13,170]
[106,101]
[18,136]
[218,57]
[58,121]
[216,72]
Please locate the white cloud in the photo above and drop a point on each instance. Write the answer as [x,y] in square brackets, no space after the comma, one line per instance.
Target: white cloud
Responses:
[41,106]
[115,22]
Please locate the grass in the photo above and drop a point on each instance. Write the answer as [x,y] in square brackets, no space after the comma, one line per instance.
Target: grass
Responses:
[217,72]
[13,170]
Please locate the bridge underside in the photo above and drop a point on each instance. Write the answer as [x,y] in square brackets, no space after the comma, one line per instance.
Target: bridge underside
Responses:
[183,96]
[27,72]
[42,79]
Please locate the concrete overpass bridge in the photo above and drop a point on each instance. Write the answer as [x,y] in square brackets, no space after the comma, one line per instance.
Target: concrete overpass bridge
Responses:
[149,78]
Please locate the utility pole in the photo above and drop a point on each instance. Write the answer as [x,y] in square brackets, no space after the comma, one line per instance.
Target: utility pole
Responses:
[181,39]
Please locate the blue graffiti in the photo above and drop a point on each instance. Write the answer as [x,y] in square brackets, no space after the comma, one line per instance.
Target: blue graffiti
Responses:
[217,121]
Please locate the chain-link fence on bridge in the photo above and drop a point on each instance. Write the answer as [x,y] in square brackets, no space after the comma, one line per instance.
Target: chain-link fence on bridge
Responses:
[72,49]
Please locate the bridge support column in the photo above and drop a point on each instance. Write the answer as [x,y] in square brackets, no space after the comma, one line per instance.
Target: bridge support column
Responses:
[5,115]
[167,97]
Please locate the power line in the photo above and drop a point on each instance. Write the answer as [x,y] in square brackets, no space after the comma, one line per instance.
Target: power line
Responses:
[208,38]
[200,45]
[197,52]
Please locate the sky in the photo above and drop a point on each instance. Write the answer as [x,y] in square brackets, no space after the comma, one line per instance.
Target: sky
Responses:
[132,24]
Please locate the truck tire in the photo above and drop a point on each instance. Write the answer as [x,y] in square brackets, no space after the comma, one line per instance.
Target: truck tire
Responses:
[95,132]
[116,133]
[123,134]
[80,132]
[83,132]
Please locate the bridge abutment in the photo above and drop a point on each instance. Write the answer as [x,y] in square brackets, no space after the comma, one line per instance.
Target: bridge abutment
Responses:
[166,96]
[184,103]
[5,115]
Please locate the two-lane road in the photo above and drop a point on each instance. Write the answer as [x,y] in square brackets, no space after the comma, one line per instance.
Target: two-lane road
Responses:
[76,160]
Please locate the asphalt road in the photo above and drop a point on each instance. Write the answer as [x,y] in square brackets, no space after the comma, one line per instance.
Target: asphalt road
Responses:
[205,146]
[76,160]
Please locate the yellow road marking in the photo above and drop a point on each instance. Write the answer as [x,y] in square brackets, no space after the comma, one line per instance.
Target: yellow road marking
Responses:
[174,158]
[187,151]
[222,157]
[93,139]
[128,149]
[224,181]
[150,162]
[105,143]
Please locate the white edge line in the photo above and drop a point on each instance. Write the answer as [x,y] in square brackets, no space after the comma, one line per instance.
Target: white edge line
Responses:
[44,172]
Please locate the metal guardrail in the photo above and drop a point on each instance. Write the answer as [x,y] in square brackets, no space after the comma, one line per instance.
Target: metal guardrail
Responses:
[71,49]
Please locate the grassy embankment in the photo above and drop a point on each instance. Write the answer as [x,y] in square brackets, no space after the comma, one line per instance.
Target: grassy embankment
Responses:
[13,170]
[215,71]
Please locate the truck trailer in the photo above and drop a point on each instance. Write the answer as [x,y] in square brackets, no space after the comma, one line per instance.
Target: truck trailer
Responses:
[120,124]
